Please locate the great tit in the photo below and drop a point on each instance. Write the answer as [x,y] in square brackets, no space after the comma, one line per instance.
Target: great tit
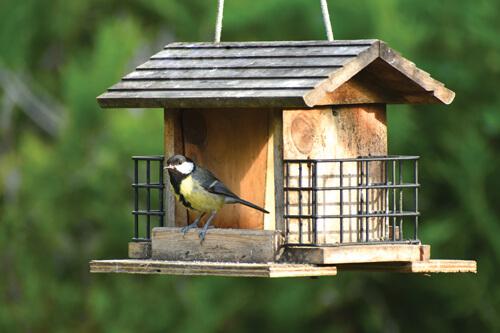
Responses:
[199,190]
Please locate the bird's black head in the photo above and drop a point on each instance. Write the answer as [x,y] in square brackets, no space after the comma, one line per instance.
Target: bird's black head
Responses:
[180,164]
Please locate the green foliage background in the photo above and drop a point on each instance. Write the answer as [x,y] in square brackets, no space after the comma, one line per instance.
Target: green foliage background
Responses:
[65,199]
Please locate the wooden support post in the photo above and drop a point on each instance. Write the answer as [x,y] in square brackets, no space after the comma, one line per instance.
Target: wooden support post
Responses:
[274,173]
[175,213]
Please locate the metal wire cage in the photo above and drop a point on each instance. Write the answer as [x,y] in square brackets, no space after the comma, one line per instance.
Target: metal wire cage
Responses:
[148,189]
[331,202]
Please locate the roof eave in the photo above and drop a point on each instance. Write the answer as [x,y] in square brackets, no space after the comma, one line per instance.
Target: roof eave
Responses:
[432,92]
[111,100]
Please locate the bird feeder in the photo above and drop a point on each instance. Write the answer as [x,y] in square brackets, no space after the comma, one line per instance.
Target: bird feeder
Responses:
[299,128]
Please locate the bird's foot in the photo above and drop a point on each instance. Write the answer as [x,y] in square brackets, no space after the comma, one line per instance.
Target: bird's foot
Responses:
[185,229]
[203,231]
[202,234]
[193,225]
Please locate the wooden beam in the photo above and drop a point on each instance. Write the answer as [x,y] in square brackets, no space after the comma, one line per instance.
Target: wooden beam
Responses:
[227,98]
[249,45]
[291,51]
[231,269]
[420,77]
[240,245]
[175,213]
[349,254]
[420,267]
[276,127]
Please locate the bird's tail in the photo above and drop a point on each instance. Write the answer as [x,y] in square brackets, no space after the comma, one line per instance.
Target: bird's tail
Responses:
[249,204]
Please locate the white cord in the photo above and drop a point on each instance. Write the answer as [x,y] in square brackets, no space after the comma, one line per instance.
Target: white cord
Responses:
[324,9]
[218,25]
[326,20]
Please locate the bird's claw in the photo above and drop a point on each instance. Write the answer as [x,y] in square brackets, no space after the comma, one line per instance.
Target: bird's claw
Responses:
[202,234]
[185,229]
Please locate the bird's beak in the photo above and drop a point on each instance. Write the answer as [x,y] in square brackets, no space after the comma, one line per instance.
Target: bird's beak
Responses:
[168,167]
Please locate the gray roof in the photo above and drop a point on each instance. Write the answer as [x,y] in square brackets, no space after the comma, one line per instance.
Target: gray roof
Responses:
[266,74]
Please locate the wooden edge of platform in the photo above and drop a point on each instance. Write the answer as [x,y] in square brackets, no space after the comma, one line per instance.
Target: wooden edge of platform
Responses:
[358,254]
[416,267]
[272,270]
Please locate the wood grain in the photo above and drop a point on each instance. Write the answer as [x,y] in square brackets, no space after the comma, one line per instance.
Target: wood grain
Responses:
[219,245]
[235,150]
[314,62]
[212,84]
[269,75]
[325,133]
[230,269]
[175,213]
[418,267]
[139,250]
[228,73]
[325,50]
[349,254]
[250,45]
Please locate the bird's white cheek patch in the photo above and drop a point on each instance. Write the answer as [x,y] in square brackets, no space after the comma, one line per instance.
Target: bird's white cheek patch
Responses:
[185,167]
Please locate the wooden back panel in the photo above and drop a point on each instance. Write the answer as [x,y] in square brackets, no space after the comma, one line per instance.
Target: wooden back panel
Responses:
[233,144]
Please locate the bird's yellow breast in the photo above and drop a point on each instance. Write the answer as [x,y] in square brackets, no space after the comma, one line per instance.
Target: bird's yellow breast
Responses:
[199,198]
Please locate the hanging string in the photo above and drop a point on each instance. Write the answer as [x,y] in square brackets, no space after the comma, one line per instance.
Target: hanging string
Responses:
[326,20]
[218,25]
[324,10]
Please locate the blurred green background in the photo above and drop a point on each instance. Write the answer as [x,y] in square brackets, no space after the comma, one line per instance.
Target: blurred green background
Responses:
[65,169]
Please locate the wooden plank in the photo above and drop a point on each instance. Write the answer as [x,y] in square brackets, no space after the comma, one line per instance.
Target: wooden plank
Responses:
[209,94]
[323,133]
[236,245]
[270,197]
[419,76]
[246,63]
[203,99]
[274,173]
[233,145]
[350,254]
[265,51]
[270,270]
[175,213]
[215,84]
[139,250]
[418,267]
[229,73]
[279,200]
[308,43]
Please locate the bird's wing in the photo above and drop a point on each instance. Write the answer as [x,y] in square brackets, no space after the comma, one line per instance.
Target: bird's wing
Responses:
[214,185]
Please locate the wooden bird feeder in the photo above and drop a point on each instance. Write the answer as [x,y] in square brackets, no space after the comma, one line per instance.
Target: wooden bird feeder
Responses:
[296,127]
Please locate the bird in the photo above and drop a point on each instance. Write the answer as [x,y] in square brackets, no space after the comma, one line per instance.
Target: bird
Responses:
[200,191]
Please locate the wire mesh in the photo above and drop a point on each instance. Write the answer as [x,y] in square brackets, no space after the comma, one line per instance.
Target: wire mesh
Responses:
[370,199]
[148,181]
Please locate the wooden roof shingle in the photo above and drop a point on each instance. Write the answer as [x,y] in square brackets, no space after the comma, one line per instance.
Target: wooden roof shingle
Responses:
[273,74]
